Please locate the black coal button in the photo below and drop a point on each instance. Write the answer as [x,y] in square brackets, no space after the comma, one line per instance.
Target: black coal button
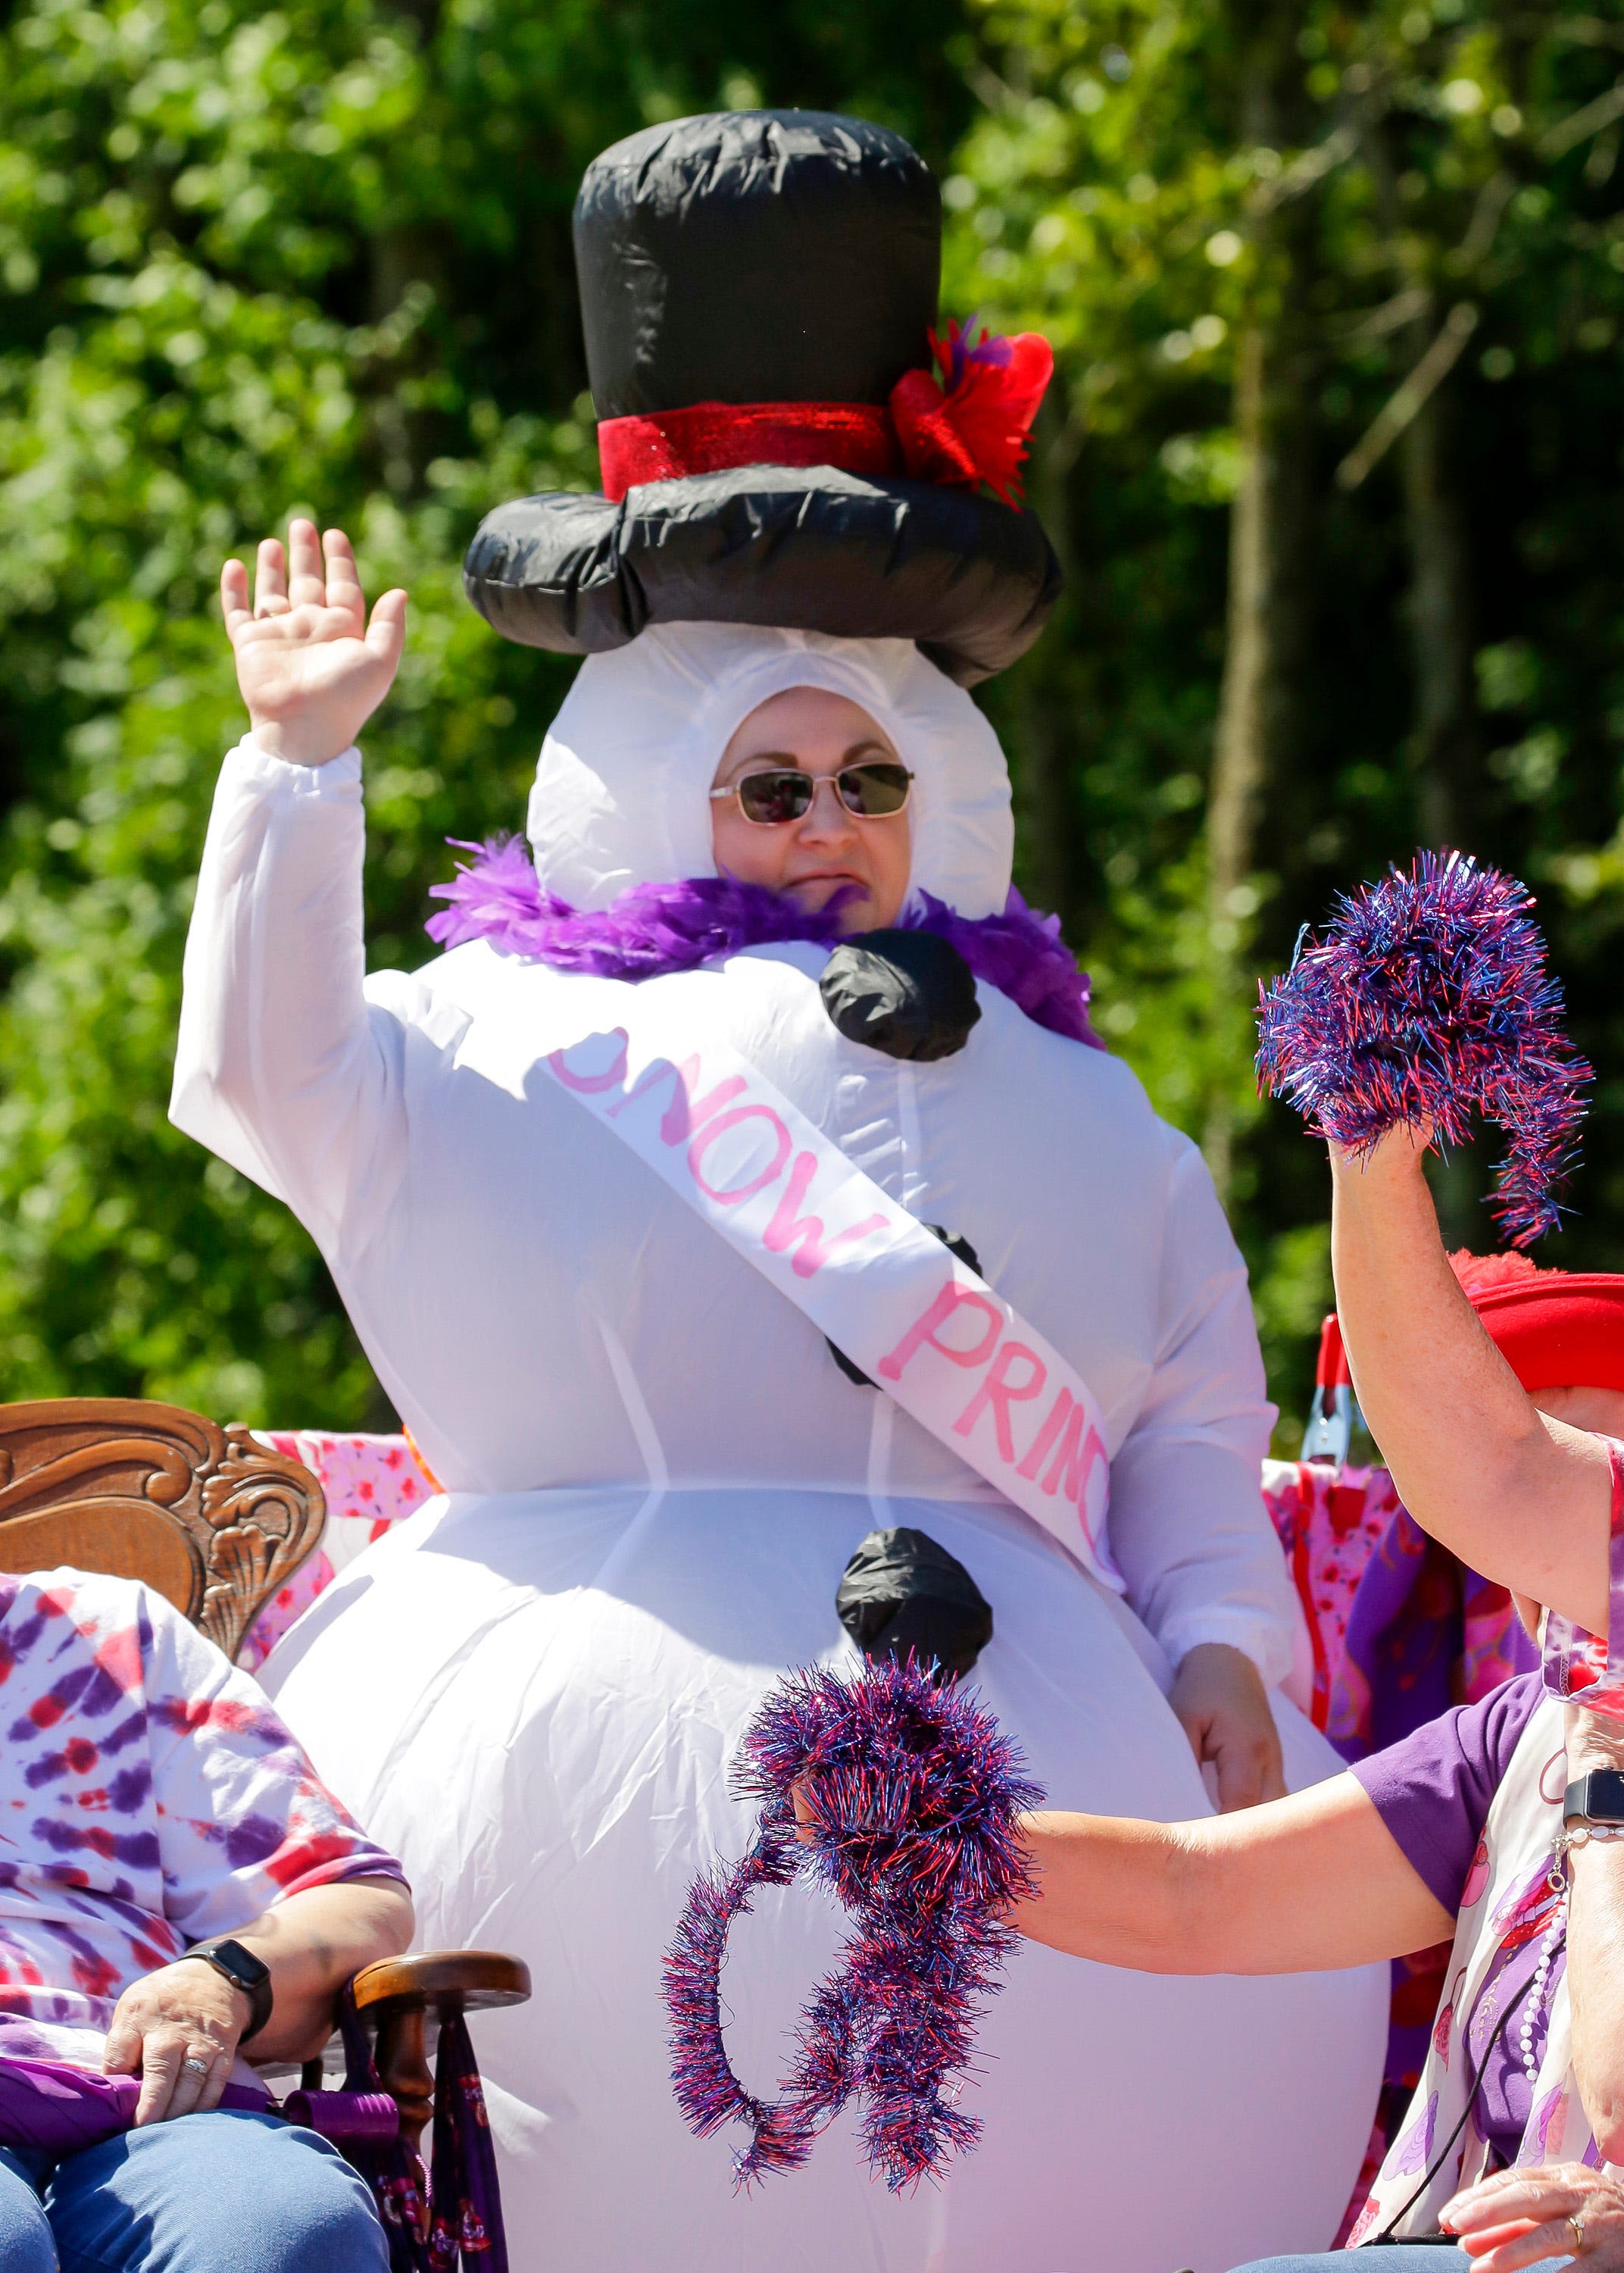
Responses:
[909,994]
[902,1594]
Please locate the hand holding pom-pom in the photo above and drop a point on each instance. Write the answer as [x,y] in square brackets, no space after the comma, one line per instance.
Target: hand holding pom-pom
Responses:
[904,1799]
[1427,1000]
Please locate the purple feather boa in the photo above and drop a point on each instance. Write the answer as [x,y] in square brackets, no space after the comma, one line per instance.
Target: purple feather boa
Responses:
[654,929]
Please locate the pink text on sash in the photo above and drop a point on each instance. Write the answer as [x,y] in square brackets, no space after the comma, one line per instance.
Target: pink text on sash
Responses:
[1063,1455]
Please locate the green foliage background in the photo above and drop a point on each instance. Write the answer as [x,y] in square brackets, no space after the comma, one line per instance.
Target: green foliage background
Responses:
[318,257]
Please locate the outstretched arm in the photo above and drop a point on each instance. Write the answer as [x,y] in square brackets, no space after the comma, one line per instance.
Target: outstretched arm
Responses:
[280,1069]
[1518,1495]
[1300,1884]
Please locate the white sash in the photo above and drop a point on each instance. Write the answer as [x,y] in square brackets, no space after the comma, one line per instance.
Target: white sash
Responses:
[884,1289]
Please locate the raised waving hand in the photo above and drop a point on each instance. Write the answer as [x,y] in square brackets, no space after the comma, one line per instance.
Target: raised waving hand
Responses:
[311,666]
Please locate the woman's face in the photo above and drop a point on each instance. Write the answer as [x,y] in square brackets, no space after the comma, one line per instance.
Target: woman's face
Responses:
[829,849]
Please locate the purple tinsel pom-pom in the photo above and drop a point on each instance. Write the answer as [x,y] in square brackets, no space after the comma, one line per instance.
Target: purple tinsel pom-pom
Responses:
[1427,1000]
[652,928]
[912,1794]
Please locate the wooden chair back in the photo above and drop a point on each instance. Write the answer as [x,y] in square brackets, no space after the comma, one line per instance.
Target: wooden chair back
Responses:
[204,1515]
[216,1522]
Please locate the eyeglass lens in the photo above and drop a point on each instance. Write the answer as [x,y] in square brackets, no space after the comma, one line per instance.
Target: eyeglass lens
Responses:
[873,790]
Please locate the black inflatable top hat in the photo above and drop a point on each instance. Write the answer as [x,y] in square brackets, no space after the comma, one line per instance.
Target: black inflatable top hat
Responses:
[758,295]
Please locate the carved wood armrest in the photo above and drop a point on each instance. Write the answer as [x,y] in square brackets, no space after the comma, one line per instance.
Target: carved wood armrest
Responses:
[403,1994]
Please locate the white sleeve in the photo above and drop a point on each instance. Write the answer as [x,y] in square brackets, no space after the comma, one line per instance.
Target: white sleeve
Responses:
[281,1067]
[1188,1525]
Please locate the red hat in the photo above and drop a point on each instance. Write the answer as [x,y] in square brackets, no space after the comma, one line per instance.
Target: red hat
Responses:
[1555,1329]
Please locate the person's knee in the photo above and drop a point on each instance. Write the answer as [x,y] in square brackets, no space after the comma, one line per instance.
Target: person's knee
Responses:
[26,2243]
[314,2209]
[215,2194]
[1317,2263]
[1410,2257]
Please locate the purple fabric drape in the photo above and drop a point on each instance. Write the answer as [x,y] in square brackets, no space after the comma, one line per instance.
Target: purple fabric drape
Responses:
[387,2165]
[348,2118]
[654,929]
[47,2107]
[466,2200]
[457,2223]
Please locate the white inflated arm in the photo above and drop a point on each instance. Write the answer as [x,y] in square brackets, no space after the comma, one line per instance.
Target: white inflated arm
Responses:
[280,1066]
[1188,1524]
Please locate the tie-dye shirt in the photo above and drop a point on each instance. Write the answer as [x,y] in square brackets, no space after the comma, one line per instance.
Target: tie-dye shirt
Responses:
[149,1799]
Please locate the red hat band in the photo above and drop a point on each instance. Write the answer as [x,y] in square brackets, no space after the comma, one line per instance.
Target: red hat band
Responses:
[964,427]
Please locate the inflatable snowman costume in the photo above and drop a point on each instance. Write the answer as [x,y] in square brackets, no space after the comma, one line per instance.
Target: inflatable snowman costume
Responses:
[654,1470]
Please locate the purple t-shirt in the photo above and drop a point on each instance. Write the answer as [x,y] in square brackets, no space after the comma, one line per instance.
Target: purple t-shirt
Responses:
[1432,1790]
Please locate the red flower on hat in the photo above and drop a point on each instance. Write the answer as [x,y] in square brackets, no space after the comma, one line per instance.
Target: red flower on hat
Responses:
[971,425]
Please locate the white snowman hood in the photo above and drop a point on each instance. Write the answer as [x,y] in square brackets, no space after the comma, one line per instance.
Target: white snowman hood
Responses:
[620,792]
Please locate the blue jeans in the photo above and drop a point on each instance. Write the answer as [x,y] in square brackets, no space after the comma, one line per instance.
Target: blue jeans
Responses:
[222,2192]
[1408,2257]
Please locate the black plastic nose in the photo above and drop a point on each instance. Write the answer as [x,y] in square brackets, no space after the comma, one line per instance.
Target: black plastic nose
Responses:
[909,994]
[902,1595]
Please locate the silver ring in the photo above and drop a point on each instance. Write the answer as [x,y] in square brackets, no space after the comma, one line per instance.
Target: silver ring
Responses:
[198,2067]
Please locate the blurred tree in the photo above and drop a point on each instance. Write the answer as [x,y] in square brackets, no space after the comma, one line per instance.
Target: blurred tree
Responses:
[254,260]
[1332,459]
[1353,274]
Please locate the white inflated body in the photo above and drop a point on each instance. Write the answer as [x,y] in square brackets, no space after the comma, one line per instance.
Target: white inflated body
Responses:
[655,1473]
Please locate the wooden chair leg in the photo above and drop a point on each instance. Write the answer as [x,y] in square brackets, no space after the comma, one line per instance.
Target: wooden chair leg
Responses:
[400,1995]
[403,2067]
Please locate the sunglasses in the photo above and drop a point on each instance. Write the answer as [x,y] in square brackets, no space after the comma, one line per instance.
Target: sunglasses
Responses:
[873,789]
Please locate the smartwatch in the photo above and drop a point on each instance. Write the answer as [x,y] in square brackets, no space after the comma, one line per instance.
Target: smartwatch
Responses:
[251,1975]
[1597,1797]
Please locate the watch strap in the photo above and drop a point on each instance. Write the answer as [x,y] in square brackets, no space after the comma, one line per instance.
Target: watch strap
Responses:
[1597,1796]
[244,1972]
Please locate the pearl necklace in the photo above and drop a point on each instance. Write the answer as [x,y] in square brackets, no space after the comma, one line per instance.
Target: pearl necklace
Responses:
[1542,1973]
[1559,1881]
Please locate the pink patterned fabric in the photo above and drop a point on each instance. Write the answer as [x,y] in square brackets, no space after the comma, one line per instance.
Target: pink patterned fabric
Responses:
[1495,1648]
[149,1797]
[1329,1522]
[1399,1629]
[369,1482]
